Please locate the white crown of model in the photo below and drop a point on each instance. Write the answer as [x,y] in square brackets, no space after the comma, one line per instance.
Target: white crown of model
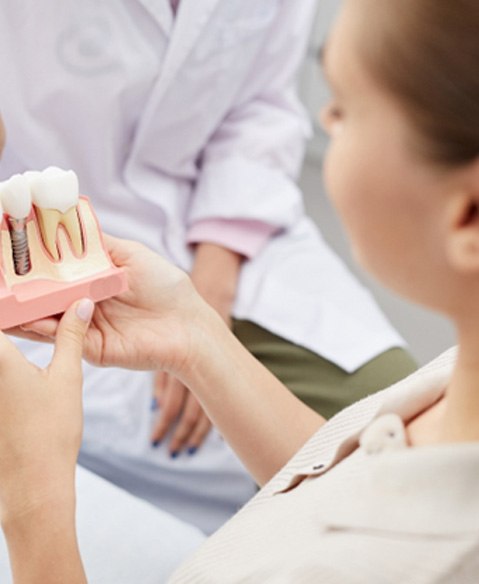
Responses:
[15,197]
[55,194]
[54,188]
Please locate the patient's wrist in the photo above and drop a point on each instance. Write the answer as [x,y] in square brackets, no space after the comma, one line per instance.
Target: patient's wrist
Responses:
[211,342]
[30,499]
[24,518]
[42,542]
[180,345]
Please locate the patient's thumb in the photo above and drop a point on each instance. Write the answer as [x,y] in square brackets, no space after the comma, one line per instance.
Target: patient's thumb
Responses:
[71,333]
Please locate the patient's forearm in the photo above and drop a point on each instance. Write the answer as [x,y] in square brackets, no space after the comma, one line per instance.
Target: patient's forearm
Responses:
[260,418]
[43,547]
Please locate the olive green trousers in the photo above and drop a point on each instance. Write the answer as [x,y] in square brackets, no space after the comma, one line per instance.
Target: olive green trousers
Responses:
[320,384]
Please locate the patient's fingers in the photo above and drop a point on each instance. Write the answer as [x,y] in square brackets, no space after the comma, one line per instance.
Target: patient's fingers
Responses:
[47,327]
[19,333]
[121,250]
[70,338]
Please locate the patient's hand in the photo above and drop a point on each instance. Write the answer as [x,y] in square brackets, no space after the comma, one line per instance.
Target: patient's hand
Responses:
[41,421]
[151,326]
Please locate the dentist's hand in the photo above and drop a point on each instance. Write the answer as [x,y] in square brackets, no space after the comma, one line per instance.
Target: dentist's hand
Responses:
[214,275]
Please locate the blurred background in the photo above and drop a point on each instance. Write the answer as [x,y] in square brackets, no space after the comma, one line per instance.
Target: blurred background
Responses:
[427,333]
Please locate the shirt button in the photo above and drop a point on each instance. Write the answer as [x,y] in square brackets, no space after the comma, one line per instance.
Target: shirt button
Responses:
[385,433]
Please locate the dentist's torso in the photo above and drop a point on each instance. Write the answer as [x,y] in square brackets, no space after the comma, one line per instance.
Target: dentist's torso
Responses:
[128,98]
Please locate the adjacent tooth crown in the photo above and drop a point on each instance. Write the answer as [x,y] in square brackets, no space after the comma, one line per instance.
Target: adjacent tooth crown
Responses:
[15,196]
[55,193]
[54,188]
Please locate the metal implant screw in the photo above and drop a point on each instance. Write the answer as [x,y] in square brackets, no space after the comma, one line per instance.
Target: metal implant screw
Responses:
[20,248]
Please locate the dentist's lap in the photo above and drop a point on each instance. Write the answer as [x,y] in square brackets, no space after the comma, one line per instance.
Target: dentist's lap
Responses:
[122,538]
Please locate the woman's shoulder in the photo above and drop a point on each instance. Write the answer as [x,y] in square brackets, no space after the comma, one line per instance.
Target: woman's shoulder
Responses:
[340,435]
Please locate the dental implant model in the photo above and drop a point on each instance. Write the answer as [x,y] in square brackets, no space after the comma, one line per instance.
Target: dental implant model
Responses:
[51,248]
[17,203]
[55,194]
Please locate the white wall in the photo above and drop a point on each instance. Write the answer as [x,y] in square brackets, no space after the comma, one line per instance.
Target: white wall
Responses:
[426,333]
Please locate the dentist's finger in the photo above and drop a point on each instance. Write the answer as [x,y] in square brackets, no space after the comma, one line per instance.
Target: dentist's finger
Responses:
[191,420]
[160,385]
[174,398]
[199,434]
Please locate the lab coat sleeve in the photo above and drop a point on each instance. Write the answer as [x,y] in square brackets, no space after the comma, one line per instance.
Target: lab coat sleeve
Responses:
[250,164]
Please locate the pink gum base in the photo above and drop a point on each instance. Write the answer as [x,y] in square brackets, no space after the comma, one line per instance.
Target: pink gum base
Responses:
[38,299]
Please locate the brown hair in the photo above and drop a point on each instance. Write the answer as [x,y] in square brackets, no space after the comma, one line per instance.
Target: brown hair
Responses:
[426,52]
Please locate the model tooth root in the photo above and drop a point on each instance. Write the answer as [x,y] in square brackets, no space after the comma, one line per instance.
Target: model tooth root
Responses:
[48,220]
[71,221]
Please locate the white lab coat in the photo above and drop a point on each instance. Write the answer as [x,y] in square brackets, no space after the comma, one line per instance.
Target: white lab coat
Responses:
[168,123]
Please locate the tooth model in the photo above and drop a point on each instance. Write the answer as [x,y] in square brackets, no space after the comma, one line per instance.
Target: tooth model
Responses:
[51,248]
[55,194]
[17,203]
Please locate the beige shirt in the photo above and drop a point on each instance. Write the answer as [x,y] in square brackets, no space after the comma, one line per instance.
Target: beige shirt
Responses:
[356,505]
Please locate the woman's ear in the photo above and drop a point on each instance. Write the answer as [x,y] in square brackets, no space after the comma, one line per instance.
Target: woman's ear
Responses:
[462,211]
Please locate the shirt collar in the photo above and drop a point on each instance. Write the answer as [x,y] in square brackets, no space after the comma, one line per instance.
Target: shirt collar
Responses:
[450,509]
[406,399]
[424,491]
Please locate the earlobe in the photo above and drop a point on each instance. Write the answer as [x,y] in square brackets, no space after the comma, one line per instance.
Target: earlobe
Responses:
[463,233]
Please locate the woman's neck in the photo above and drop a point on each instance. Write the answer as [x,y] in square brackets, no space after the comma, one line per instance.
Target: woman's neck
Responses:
[461,402]
[454,418]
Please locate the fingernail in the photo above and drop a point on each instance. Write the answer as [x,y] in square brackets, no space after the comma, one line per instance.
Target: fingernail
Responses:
[85,309]
[156,443]
[174,454]
[192,450]
[154,404]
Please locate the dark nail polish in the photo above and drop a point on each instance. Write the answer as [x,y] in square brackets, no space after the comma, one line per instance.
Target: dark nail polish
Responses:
[175,454]
[154,405]
[156,443]
[192,450]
